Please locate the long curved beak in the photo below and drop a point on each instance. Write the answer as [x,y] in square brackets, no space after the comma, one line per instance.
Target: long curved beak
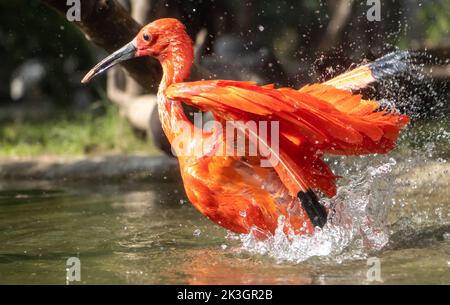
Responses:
[126,52]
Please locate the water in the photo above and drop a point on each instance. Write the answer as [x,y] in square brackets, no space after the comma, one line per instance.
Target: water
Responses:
[357,213]
[146,233]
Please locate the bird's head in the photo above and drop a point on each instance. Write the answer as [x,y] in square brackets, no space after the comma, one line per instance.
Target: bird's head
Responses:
[164,39]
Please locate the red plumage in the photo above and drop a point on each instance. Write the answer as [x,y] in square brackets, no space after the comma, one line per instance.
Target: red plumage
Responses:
[236,191]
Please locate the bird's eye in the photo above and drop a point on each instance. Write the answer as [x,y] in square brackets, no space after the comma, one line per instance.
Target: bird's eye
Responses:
[146,37]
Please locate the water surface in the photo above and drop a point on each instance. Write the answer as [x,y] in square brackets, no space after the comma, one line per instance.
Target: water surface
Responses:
[133,233]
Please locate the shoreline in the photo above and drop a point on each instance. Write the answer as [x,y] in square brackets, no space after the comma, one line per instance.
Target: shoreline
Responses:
[109,167]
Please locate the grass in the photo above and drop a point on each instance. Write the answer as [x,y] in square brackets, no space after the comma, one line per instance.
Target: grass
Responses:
[84,135]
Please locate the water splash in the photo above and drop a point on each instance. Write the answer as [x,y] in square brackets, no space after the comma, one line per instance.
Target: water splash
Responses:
[358,220]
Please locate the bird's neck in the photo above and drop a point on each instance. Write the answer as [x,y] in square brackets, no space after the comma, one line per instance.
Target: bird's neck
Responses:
[175,70]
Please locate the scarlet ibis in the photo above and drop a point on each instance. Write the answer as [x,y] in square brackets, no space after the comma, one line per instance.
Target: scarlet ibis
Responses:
[236,191]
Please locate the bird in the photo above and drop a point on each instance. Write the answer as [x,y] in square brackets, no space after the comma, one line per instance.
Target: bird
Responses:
[240,192]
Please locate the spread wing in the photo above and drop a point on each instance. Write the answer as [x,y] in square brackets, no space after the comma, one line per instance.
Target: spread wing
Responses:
[315,118]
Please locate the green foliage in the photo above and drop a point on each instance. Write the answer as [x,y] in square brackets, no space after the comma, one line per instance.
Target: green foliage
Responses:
[30,30]
[86,134]
[435,17]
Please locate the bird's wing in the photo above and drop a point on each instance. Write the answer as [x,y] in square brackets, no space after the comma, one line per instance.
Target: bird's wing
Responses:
[316,117]
[389,65]
[333,120]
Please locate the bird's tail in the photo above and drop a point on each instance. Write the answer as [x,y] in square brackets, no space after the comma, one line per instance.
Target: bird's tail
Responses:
[391,64]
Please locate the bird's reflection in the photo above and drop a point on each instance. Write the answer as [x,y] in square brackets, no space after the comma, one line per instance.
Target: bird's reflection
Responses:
[216,266]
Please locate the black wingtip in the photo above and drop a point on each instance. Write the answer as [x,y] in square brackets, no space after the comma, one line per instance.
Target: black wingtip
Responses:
[315,211]
[391,64]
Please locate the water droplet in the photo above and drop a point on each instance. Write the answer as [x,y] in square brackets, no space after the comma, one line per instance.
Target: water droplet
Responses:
[197,232]
[446,237]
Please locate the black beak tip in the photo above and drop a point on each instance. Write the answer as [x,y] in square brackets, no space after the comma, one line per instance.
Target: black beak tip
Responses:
[128,51]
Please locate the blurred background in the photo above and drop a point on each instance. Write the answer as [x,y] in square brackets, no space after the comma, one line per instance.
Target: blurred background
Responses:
[44,110]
